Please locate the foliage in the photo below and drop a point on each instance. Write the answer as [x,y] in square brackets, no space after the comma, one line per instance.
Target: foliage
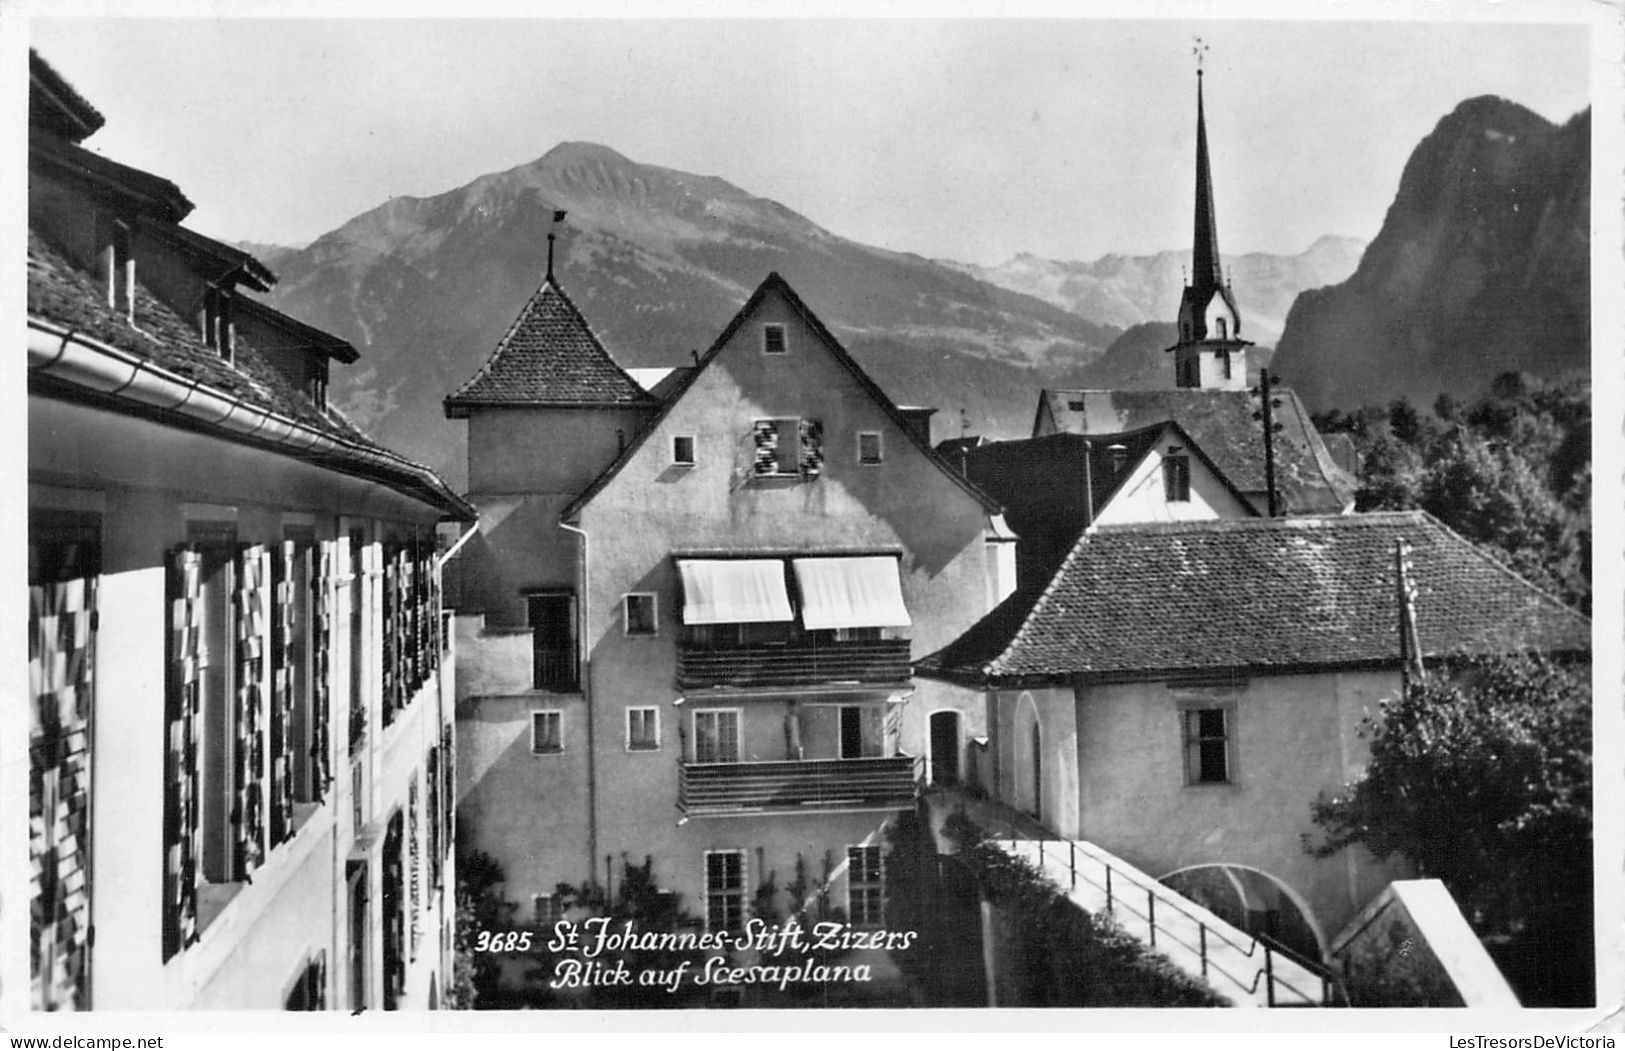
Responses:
[1483,780]
[1062,955]
[480,907]
[1512,473]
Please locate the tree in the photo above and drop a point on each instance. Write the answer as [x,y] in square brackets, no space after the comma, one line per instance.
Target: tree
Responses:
[1482,778]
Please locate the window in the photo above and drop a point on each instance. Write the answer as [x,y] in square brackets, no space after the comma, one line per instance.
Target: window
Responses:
[773,339]
[716,735]
[642,729]
[1207,746]
[1224,362]
[865,886]
[640,615]
[546,732]
[1118,455]
[682,450]
[724,890]
[1176,477]
[1222,328]
[549,909]
[219,331]
[552,620]
[1076,405]
[120,271]
[318,386]
[869,447]
[788,446]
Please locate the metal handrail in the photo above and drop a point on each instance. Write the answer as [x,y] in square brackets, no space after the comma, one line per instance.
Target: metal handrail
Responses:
[1270,945]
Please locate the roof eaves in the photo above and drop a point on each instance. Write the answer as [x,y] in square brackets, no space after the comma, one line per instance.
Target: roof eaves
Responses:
[149,192]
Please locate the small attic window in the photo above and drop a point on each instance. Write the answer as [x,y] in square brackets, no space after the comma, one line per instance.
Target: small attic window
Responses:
[318,386]
[120,271]
[773,339]
[219,331]
[682,450]
[1076,404]
[1118,456]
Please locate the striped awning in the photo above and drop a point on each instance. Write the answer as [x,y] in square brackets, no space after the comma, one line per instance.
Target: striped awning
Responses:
[858,592]
[733,591]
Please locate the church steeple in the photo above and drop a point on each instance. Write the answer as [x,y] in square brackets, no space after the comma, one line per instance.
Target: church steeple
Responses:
[1205,272]
[1210,354]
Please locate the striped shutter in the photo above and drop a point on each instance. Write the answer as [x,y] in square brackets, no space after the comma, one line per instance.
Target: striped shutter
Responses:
[282,639]
[812,447]
[61,663]
[248,816]
[183,836]
[321,669]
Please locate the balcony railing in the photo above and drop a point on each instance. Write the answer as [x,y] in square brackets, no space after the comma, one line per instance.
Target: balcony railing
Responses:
[793,664]
[798,786]
[554,669]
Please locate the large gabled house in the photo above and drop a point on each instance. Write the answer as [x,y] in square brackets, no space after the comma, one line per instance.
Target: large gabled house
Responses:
[1179,693]
[696,647]
[239,693]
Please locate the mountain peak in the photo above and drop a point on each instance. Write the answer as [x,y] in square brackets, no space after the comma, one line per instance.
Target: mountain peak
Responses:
[568,153]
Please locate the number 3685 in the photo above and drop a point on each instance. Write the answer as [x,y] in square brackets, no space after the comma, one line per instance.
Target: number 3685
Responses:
[502,941]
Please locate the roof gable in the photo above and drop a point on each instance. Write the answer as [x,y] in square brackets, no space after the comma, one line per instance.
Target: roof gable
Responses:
[775,284]
[1257,595]
[1222,424]
[549,357]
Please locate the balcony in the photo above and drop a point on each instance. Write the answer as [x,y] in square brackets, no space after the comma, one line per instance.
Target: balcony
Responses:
[805,786]
[880,661]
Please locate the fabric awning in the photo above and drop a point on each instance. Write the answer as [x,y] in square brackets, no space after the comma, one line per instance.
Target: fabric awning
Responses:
[733,591]
[859,592]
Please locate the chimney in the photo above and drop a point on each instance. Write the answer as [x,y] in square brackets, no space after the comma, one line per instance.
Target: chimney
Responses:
[917,421]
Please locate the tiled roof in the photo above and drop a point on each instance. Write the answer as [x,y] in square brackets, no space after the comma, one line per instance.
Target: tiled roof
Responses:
[1255,596]
[61,294]
[1222,423]
[549,357]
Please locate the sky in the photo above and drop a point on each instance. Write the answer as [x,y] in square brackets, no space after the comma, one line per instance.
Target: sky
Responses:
[966,138]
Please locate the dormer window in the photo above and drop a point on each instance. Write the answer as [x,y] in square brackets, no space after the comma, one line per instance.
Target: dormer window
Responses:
[773,339]
[1117,455]
[318,386]
[219,331]
[120,265]
[1176,476]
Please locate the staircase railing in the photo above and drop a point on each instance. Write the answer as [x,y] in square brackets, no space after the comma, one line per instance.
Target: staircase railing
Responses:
[1331,989]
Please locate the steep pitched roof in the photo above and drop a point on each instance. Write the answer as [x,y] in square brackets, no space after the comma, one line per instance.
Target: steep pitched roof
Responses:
[774,283]
[1059,479]
[64,297]
[549,357]
[1255,596]
[1222,424]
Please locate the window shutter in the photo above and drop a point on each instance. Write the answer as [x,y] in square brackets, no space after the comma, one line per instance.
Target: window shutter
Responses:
[183,847]
[249,766]
[62,629]
[321,663]
[282,634]
[766,437]
[812,447]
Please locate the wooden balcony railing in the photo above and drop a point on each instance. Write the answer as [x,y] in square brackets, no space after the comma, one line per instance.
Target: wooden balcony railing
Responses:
[798,786]
[884,661]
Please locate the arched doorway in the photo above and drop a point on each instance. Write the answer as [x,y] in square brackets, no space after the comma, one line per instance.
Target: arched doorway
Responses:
[944,745]
[1254,901]
[1028,740]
